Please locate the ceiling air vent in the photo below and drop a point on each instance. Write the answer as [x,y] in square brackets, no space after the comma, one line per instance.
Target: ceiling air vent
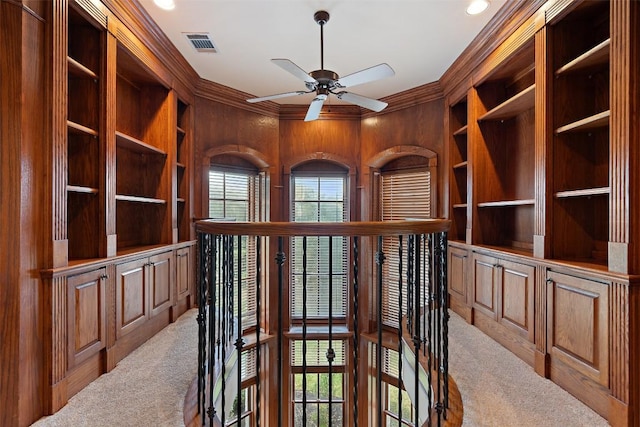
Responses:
[201,42]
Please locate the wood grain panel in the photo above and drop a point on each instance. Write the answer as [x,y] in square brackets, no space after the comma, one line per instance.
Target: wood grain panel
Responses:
[183,272]
[484,284]
[517,283]
[86,316]
[131,296]
[457,272]
[578,325]
[625,136]
[160,282]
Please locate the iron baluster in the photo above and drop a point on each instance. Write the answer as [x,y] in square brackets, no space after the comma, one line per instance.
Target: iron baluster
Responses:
[380,262]
[355,331]
[330,352]
[304,331]
[258,315]
[400,382]
[211,301]
[416,320]
[280,259]
[239,342]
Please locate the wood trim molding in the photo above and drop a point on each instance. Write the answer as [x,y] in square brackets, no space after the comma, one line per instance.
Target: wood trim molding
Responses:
[140,24]
[253,156]
[510,17]
[319,155]
[225,95]
[380,159]
[409,98]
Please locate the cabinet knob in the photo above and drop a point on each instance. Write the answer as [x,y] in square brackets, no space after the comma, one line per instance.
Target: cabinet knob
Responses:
[104,277]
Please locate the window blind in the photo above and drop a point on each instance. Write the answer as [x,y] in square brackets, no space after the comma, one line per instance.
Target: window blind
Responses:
[404,195]
[319,199]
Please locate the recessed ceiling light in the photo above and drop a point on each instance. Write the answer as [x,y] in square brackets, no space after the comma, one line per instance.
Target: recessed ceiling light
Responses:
[477,6]
[165,4]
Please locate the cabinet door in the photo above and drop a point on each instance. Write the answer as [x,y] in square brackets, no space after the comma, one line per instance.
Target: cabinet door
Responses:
[484,284]
[183,276]
[578,325]
[85,316]
[516,295]
[132,305]
[160,282]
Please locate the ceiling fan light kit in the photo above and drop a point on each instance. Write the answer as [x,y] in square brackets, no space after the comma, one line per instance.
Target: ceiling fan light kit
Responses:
[326,82]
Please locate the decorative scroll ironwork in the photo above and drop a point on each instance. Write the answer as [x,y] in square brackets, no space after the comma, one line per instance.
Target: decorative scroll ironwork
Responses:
[222,339]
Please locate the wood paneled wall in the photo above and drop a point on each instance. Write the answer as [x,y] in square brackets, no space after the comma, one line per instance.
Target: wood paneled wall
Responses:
[23,155]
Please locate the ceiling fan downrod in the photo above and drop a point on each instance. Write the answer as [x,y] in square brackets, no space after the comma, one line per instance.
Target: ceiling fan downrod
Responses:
[321,17]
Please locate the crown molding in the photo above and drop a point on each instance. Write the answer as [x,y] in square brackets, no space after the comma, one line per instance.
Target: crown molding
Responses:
[225,95]
[132,15]
[504,23]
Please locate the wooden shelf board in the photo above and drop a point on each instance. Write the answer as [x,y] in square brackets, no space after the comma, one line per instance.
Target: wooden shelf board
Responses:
[181,131]
[459,206]
[181,165]
[506,203]
[519,248]
[513,106]
[461,131]
[587,192]
[138,199]
[181,200]
[133,144]
[598,55]
[81,189]
[599,120]
[460,165]
[77,69]
[78,128]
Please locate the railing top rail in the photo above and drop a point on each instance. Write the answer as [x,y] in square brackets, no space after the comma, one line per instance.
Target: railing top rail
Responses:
[353,228]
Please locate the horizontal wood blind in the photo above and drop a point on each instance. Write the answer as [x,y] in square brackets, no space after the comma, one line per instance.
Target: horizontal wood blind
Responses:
[319,199]
[316,354]
[236,195]
[404,195]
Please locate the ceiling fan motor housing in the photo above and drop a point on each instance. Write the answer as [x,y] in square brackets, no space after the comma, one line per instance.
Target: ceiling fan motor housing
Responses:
[321,17]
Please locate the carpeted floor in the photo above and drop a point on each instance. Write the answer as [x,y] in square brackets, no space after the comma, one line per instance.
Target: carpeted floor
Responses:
[147,388]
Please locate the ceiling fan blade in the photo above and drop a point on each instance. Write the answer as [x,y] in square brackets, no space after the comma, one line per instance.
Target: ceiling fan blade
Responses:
[289,66]
[362,101]
[279,95]
[314,109]
[376,72]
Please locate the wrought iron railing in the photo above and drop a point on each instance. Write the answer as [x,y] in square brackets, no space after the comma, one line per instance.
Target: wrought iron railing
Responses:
[242,335]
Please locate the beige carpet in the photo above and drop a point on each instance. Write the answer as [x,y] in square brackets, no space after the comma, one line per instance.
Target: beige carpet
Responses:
[147,388]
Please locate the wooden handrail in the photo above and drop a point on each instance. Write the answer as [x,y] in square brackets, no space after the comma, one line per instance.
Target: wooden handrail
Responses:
[354,228]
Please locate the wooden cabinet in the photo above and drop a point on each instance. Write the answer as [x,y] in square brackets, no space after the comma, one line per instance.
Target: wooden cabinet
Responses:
[502,139]
[458,259]
[183,171]
[143,171]
[578,337]
[503,301]
[143,290]
[86,316]
[580,102]
[458,159]
[184,272]
[85,142]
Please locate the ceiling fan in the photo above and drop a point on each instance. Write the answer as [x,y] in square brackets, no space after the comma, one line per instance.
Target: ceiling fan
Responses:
[324,82]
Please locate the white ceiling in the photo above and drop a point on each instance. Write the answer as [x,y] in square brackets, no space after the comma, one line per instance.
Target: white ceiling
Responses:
[419,39]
